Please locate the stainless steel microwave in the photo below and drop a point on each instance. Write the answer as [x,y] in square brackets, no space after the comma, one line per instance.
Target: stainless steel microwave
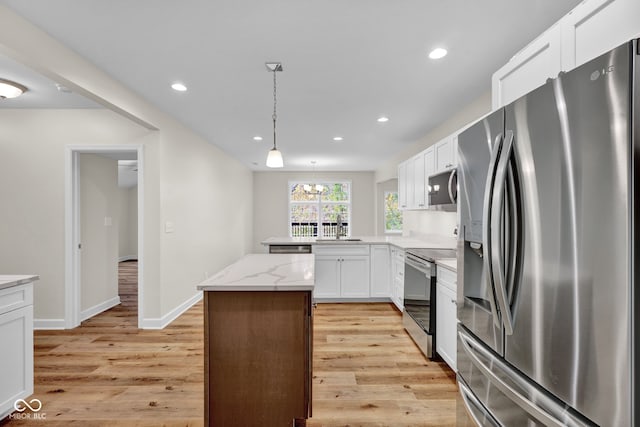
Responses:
[443,190]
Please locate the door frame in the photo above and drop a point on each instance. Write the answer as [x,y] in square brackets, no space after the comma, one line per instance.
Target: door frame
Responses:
[72,226]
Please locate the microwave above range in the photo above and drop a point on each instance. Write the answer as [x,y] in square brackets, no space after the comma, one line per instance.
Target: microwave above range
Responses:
[443,190]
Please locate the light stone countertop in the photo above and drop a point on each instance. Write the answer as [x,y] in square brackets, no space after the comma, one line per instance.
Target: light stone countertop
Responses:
[10,280]
[265,272]
[427,241]
[450,263]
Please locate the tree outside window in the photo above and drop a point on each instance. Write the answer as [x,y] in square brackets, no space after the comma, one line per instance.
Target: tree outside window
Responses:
[392,213]
[316,214]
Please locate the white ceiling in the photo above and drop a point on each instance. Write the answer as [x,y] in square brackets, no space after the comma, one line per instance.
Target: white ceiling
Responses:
[41,91]
[346,62]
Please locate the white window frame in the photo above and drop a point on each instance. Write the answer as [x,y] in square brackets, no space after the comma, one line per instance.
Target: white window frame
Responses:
[320,202]
[384,213]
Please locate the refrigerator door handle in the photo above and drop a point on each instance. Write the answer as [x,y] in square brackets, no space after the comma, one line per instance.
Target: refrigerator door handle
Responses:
[452,198]
[474,408]
[497,254]
[486,228]
[514,235]
[514,395]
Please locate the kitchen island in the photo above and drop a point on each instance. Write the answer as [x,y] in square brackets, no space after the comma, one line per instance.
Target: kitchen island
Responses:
[258,341]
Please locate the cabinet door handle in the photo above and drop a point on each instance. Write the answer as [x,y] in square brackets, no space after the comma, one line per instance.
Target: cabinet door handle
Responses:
[454,302]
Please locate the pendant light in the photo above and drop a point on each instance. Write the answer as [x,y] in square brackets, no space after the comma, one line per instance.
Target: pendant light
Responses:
[313,188]
[274,158]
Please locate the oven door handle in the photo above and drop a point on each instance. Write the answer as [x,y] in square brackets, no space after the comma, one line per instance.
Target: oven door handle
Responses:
[418,264]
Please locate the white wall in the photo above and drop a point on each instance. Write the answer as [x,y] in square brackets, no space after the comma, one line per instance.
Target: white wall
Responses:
[175,159]
[128,223]
[432,222]
[271,202]
[99,254]
[32,149]
[207,196]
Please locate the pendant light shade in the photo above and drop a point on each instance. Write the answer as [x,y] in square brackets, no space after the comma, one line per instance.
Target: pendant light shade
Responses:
[274,158]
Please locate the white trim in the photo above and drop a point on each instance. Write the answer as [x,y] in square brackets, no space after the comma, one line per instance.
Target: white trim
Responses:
[72,224]
[99,308]
[48,324]
[164,321]
[128,258]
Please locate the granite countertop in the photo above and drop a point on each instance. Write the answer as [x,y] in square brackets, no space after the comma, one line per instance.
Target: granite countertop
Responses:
[427,241]
[265,272]
[9,280]
[450,263]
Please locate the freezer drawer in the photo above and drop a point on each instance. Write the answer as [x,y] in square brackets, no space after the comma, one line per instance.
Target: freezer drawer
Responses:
[490,385]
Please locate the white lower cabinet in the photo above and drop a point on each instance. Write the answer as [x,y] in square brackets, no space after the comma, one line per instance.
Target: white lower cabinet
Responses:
[397,274]
[16,336]
[380,271]
[327,272]
[342,271]
[446,316]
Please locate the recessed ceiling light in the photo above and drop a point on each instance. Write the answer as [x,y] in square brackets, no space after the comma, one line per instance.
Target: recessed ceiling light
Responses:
[383,119]
[257,138]
[179,87]
[338,138]
[438,53]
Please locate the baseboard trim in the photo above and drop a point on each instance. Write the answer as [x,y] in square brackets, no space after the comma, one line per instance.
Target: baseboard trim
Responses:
[164,321]
[358,300]
[99,308]
[48,324]
[128,258]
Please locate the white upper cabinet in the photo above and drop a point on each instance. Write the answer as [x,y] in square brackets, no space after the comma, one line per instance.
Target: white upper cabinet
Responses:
[402,185]
[418,182]
[597,26]
[589,30]
[444,154]
[528,69]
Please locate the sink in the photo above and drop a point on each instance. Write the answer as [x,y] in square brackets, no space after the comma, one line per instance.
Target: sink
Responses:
[332,240]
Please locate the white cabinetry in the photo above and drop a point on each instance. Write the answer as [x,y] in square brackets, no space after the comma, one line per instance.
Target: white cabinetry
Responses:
[446,316]
[419,195]
[445,154]
[589,30]
[597,26]
[528,69]
[397,273]
[380,271]
[16,335]
[402,185]
[342,271]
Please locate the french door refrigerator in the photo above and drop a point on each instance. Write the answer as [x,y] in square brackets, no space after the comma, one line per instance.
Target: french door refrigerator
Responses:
[547,308]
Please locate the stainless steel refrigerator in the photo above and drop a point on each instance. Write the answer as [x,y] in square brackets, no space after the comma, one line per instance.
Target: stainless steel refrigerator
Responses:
[547,300]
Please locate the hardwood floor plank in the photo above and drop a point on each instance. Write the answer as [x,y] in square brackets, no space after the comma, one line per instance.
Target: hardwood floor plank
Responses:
[367,371]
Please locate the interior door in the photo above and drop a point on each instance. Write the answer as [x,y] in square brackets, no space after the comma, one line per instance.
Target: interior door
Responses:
[570,300]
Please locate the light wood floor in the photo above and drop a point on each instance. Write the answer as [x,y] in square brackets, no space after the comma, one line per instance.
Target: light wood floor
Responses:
[367,371]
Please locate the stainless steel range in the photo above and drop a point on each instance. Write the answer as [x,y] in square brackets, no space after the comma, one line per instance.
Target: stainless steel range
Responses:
[419,316]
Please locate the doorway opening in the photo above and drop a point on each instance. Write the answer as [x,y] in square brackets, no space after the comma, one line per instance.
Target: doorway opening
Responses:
[104,232]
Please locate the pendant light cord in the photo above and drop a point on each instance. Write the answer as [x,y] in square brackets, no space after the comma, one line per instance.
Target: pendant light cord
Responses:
[274,116]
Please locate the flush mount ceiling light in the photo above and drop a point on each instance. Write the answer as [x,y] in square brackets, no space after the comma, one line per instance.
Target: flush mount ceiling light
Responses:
[438,53]
[338,138]
[9,89]
[257,138]
[383,119]
[274,158]
[179,87]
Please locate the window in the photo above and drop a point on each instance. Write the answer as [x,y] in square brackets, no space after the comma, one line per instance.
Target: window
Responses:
[392,215]
[315,215]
